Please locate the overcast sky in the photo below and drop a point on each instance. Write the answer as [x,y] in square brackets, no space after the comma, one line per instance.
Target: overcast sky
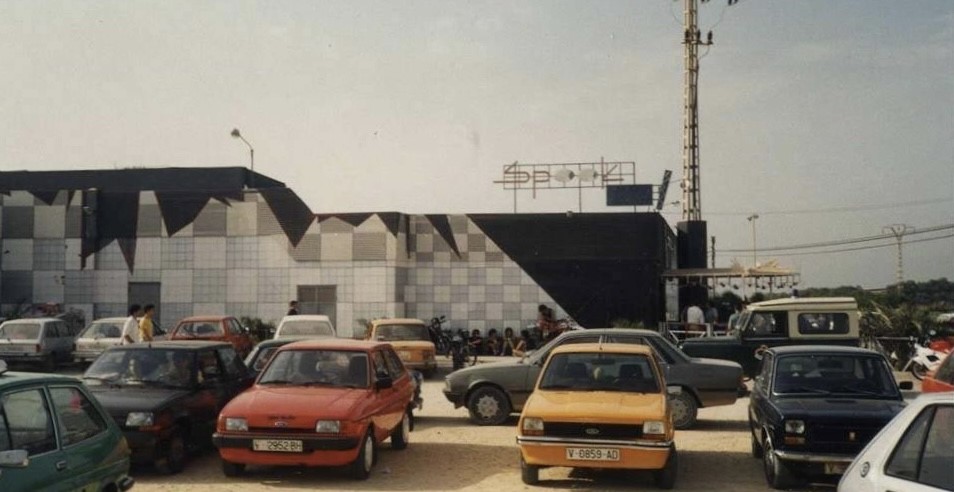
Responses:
[414,106]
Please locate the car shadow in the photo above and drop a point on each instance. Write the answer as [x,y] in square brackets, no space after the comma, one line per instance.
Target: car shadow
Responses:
[718,425]
[424,422]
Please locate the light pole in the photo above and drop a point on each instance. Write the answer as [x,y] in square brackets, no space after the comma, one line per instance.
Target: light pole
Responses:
[251,151]
[752,219]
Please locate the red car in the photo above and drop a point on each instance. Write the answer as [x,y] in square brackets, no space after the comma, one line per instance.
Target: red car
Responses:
[214,328]
[321,402]
[940,380]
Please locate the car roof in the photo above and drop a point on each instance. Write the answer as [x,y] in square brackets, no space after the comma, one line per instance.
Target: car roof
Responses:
[792,301]
[31,320]
[614,348]
[397,321]
[929,398]
[335,344]
[115,319]
[217,317]
[10,378]
[824,349]
[272,342]
[611,331]
[175,344]
[312,317]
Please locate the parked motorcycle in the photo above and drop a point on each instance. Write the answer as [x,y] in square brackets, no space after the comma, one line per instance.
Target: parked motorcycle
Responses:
[461,352]
[923,361]
[440,337]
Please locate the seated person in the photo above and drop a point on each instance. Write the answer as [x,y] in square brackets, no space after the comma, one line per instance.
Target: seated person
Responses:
[177,371]
[476,341]
[493,342]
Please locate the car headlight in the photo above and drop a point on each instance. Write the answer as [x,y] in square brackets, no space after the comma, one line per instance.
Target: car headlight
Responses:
[139,419]
[794,427]
[654,427]
[236,424]
[532,425]
[328,426]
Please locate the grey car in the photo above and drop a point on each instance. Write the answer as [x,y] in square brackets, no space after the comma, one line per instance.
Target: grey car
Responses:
[492,391]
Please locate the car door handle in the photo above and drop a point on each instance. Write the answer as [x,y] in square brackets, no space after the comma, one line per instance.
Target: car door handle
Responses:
[60,465]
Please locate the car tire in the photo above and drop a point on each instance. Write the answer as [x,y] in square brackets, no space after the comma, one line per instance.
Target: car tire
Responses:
[488,406]
[777,473]
[174,454]
[918,371]
[428,373]
[230,469]
[685,410]
[360,468]
[756,447]
[402,433]
[666,478]
[530,474]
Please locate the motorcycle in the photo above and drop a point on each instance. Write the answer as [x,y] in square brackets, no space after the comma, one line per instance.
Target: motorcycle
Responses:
[440,337]
[924,360]
[461,351]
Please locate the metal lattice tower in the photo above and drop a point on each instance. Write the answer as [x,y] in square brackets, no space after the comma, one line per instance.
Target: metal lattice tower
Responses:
[898,231]
[692,39]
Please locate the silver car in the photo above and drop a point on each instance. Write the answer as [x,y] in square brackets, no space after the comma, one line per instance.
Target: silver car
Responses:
[97,337]
[46,341]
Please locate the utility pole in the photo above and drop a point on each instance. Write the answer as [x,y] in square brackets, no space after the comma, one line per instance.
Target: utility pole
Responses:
[898,231]
[692,39]
[712,251]
[755,259]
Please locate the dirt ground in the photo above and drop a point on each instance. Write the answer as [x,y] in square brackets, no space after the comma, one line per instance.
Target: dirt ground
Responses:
[448,453]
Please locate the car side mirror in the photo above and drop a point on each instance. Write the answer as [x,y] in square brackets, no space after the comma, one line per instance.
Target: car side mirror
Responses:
[906,385]
[18,458]
[383,382]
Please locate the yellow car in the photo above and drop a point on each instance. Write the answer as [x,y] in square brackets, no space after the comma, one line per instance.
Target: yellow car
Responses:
[599,406]
[410,338]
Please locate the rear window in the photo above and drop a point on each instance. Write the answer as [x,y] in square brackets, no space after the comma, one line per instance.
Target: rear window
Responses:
[823,323]
[103,330]
[307,328]
[199,329]
[600,372]
[20,331]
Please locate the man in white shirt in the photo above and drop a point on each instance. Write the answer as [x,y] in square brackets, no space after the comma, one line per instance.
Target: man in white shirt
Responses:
[131,326]
[695,319]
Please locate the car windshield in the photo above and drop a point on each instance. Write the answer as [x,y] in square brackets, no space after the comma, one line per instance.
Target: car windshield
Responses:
[199,329]
[20,331]
[600,372]
[143,367]
[260,358]
[833,374]
[303,327]
[103,329]
[341,368]
[402,333]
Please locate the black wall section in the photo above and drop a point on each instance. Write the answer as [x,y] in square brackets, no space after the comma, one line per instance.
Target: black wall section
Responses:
[117,217]
[47,196]
[291,212]
[597,267]
[158,179]
[442,226]
[392,220]
[354,219]
[180,209]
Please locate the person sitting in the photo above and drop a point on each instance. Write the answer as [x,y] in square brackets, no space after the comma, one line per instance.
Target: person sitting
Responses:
[509,343]
[492,343]
[476,341]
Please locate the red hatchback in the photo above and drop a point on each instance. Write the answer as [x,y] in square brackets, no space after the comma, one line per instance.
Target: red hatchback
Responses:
[214,328]
[322,402]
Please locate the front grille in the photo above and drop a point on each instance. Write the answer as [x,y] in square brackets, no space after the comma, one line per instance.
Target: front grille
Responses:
[836,438]
[592,431]
[281,430]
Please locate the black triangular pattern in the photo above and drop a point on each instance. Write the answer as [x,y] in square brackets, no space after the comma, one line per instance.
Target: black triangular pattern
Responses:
[69,197]
[226,198]
[128,248]
[46,196]
[117,217]
[392,220]
[407,235]
[442,226]
[292,213]
[355,219]
[180,208]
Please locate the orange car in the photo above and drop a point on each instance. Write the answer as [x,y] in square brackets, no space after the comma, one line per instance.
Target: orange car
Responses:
[941,379]
[214,328]
[321,402]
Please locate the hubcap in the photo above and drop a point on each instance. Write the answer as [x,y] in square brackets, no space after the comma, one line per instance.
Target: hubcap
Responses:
[769,460]
[487,407]
[679,410]
[368,453]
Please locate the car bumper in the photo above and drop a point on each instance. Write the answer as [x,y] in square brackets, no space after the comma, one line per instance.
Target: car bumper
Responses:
[143,446]
[421,365]
[125,483]
[338,451]
[636,455]
[813,457]
[456,398]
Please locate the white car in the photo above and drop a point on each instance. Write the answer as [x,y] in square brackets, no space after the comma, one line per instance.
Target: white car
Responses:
[913,453]
[47,341]
[305,325]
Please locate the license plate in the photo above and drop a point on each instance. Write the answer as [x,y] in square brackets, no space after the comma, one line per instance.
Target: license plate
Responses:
[277,445]
[404,355]
[835,468]
[592,454]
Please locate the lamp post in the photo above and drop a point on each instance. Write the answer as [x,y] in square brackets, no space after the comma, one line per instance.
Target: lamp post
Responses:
[251,151]
[752,218]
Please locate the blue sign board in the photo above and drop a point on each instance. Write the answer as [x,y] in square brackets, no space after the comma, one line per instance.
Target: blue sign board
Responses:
[630,195]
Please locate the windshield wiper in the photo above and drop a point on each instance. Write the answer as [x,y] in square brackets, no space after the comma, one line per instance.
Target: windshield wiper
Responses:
[806,389]
[849,389]
[560,387]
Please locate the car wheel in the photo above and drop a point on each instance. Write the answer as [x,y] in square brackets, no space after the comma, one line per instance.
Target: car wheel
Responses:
[756,447]
[684,410]
[488,406]
[918,371]
[174,457]
[777,473]
[530,474]
[360,468]
[232,469]
[666,478]
[402,433]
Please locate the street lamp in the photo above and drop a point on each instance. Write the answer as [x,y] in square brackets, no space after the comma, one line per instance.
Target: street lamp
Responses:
[251,152]
[752,219]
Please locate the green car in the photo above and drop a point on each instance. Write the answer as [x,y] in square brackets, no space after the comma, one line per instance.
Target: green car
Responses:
[55,436]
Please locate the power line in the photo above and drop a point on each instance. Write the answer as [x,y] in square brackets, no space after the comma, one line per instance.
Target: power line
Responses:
[841,242]
[859,208]
[862,248]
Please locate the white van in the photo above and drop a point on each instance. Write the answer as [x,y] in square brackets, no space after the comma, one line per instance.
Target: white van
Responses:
[305,325]
[46,341]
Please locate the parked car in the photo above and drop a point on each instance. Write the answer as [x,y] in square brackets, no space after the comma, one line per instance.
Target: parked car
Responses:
[263,352]
[44,341]
[941,379]
[56,436]
[214,328]
[323,402]
[599,405]
[914,453]
[411,338]
[166,396]
[492,391]
[102,334]
[814,407]
[792,321]
[305,325]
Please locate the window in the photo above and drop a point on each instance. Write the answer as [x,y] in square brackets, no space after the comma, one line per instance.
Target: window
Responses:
[209,365]
[925,451]
[823,323]
[235,327]
[380,367]
[766,324]
[231,362]
[765,373]
[394,364]
[81,420]
[27,422]
[600,371]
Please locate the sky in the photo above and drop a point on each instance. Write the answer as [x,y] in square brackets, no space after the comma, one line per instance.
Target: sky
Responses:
[807,108]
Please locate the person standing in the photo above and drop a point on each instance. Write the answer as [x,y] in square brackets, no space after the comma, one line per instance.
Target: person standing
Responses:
[292,308]
[145,324]
[131,326]
[695,318]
